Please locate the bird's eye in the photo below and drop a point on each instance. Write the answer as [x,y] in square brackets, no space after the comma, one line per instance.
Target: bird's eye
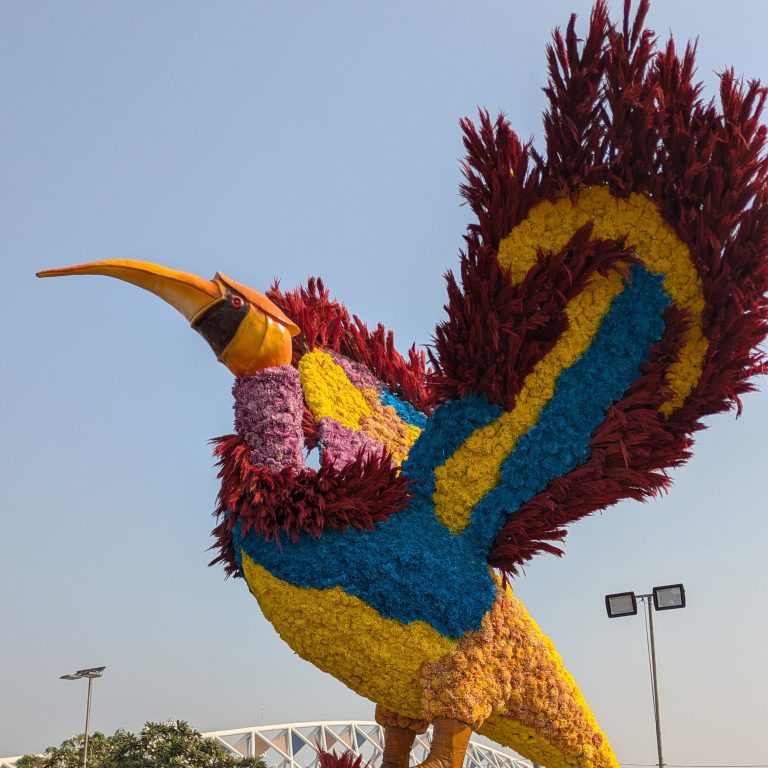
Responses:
[235,302]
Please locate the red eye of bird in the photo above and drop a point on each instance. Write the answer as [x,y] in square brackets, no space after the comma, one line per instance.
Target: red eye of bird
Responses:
[235,302]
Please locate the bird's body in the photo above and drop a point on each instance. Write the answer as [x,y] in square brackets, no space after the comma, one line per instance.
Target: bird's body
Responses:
[414,593]
[611,295]
[507,674]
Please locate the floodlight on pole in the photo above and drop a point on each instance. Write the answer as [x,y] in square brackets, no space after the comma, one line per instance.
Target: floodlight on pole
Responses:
[91,674]
[664,599]
[669,597]
[621,604]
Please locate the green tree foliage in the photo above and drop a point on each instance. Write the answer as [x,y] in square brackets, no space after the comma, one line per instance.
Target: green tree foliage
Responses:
[158,745]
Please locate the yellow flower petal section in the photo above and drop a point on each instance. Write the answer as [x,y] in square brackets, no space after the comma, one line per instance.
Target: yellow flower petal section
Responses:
[475,468]
[376,657]
[549,226]
[526,740]
[328,391]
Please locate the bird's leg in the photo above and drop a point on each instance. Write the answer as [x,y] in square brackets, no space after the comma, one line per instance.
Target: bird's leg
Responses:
[449,743]
[397,747]
[399,734]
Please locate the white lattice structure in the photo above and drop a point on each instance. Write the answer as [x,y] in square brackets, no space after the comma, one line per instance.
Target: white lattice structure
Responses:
[295,745]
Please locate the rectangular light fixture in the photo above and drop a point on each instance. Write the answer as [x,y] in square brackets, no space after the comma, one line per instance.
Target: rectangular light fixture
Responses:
[92,672]
[81,673]
[621,604]
[669,597]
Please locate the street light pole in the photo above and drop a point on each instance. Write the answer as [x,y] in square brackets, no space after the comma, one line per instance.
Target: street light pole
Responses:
[88,721]
[91,674]
[664,599]
[654,679]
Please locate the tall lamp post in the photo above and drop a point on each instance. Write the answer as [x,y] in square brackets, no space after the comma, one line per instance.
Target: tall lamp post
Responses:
[664,599]
[91,674]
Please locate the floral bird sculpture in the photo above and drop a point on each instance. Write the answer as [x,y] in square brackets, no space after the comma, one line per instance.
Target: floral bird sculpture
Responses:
[611,294]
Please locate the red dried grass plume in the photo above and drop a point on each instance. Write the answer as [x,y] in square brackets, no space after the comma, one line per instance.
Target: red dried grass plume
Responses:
[344,760]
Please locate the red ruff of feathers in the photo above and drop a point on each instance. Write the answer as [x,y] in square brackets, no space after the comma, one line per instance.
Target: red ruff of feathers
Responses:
[626,115]
[326,324]
[284,503]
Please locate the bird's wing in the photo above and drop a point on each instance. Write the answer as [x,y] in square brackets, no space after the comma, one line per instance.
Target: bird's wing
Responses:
[611,292]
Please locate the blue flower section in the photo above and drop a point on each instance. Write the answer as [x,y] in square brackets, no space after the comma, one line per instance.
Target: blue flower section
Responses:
[410,567]
[451,424]
[559,442]
[404,410]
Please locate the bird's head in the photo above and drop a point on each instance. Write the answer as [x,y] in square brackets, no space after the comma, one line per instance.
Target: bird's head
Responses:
[246,331]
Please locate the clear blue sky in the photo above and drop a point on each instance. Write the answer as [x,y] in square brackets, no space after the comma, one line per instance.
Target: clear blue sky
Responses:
[296,138]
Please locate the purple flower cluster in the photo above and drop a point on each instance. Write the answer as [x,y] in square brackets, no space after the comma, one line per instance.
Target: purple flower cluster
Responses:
[357,373]
[268,411]
[341,445]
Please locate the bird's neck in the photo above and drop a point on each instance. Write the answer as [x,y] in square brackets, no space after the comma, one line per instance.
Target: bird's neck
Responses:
[268,413]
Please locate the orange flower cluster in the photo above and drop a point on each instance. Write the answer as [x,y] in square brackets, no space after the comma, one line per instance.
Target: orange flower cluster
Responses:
[508,675]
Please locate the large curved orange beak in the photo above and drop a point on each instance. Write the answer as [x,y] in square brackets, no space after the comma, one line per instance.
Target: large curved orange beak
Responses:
[188,293]
[246,330]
